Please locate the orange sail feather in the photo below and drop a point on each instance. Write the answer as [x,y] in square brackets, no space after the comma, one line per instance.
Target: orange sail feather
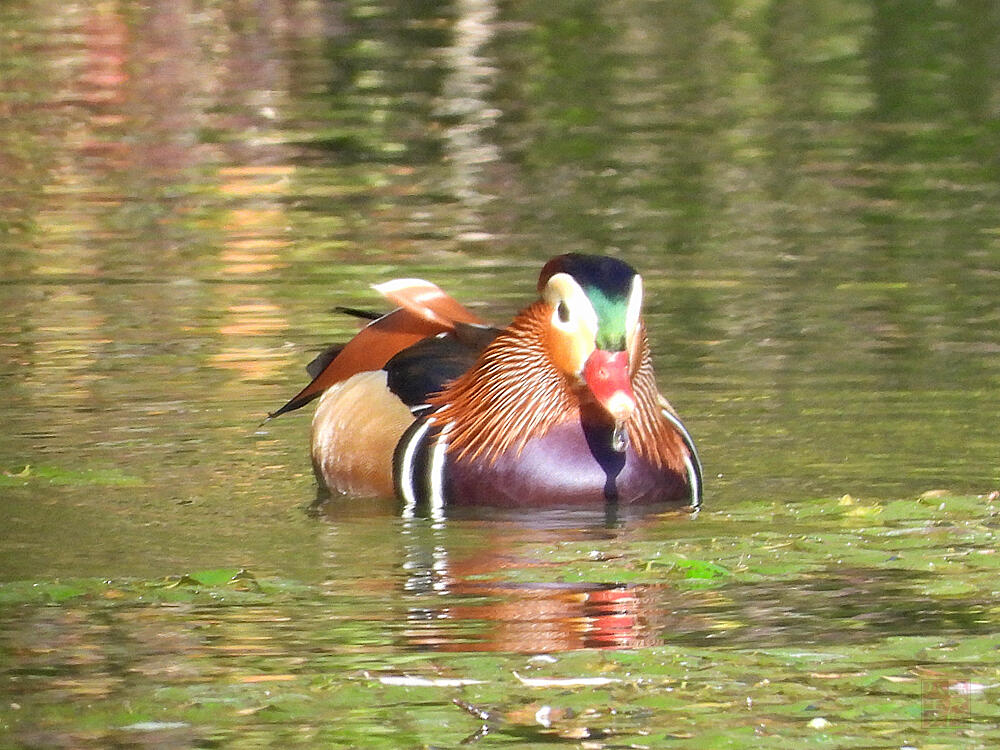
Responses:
[424,311]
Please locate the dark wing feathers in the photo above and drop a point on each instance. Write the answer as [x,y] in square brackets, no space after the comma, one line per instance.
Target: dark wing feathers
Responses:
[322,359]
[355,312]
[314,368]
[429,365]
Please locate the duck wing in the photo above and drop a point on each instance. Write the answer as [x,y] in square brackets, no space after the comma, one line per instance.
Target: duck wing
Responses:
[426,367]
[425,311]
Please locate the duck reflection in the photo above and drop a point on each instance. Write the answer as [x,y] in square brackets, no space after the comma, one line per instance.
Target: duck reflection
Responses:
[502,582]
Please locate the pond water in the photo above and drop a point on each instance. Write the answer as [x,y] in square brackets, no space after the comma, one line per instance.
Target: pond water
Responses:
[811,191]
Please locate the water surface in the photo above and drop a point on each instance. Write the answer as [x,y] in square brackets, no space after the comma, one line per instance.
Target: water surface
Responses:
[811,193]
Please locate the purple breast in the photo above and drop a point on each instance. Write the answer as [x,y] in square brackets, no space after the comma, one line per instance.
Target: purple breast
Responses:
[573,464]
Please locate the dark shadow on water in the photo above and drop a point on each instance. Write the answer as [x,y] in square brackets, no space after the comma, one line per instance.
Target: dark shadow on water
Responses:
[331,507]
[609,516]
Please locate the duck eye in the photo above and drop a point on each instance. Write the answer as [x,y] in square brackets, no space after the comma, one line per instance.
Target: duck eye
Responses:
[562,310]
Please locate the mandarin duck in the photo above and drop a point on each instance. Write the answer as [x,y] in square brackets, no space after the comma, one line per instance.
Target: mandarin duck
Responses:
[559,408]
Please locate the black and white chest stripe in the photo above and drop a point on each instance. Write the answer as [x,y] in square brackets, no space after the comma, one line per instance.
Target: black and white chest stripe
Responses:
[418,464]
[691,461]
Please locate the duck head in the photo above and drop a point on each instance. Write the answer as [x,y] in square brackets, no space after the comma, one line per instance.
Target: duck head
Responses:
[594,330]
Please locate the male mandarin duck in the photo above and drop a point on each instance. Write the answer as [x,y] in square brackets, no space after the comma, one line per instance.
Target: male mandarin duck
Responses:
[558,408]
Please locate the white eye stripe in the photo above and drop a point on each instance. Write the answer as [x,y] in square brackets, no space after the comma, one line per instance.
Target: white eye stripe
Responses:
[557,318]
[563,312]
[634,309]
[564,289]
